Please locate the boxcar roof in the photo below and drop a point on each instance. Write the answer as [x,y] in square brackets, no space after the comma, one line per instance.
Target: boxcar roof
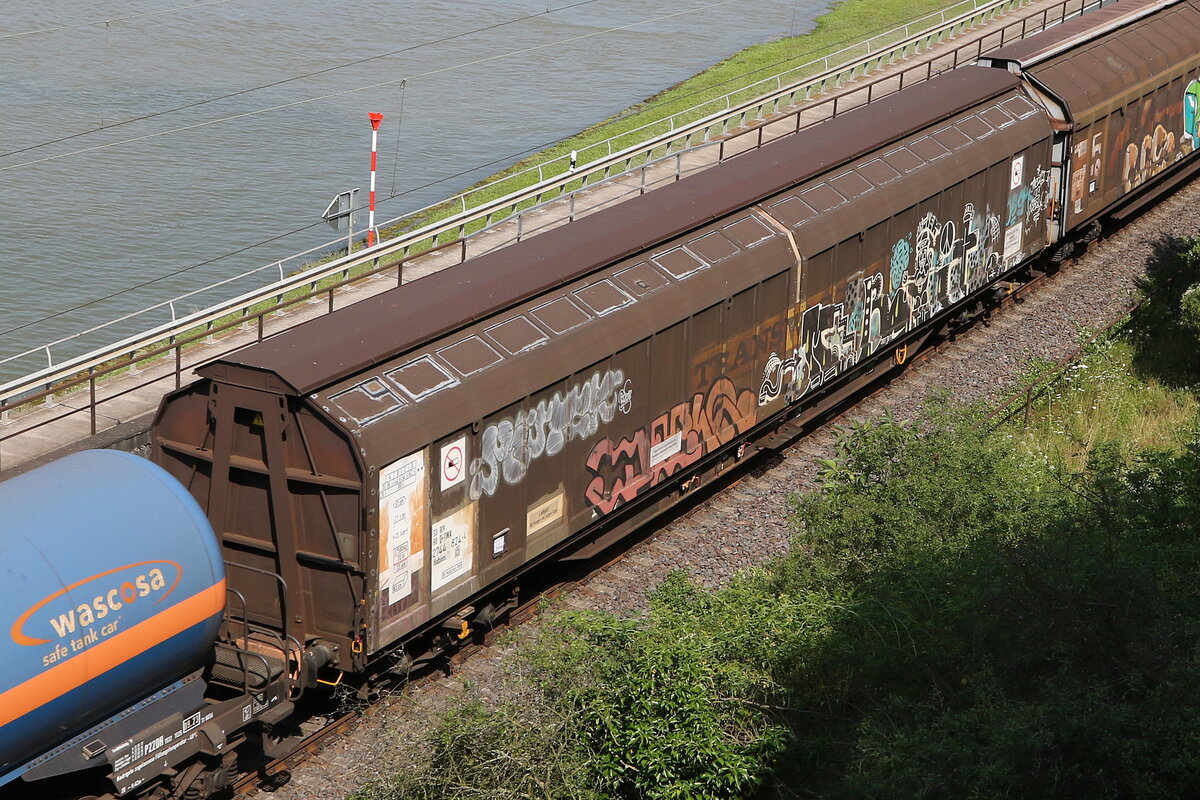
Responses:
[319,352]
[1105,58]
[1072,33]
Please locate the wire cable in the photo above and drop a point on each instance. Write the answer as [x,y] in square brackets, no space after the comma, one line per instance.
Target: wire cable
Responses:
[108,22]
[247,248]
[150,281]
[399,125]
[292,79]
[381,84]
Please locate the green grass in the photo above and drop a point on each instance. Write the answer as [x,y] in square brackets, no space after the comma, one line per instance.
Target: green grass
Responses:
[849,22]
[1104,399]
[1138,387]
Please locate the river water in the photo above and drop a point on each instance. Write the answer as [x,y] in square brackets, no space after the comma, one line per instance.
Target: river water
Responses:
[195,142]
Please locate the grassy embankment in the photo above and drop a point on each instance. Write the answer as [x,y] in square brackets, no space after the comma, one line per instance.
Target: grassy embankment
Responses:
[849,22]
[959,618]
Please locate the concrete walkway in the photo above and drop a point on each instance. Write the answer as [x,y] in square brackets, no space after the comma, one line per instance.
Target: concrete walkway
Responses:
[127,403]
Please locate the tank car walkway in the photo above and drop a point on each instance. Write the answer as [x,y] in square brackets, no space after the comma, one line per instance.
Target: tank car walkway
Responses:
[130,401]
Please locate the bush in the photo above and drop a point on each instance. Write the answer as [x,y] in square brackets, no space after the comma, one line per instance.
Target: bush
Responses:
[1189,309]
[680,704]
[515,752]
[1005,631]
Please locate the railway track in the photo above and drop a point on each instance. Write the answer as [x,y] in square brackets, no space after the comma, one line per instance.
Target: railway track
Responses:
[276,773]
[299,408]
[742,522]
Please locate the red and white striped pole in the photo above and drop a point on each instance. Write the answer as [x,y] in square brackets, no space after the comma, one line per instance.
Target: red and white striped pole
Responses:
[375,120]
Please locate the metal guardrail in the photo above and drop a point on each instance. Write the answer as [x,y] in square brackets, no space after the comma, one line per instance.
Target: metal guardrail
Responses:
[855,59]
[254,308]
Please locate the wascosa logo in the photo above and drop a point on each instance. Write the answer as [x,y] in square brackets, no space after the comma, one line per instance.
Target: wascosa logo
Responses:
[85,602]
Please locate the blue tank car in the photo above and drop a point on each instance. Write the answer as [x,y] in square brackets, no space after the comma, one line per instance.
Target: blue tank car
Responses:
[112,591]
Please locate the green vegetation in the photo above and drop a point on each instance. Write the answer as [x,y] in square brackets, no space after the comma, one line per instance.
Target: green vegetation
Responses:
[1136,386]
[850,22]
[958,618]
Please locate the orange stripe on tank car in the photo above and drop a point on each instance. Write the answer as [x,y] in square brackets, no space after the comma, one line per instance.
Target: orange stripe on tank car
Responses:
[103,656]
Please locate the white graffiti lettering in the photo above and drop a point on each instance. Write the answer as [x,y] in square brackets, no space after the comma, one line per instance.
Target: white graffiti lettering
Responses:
[509,446]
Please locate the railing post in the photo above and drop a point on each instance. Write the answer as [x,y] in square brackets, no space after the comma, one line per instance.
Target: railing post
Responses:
[92,397]
[178,362]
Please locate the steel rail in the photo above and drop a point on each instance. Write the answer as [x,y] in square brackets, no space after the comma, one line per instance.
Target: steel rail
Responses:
[277,772]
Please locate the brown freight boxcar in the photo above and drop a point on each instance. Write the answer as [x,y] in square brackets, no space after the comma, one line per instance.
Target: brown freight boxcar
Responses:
[400,461]
[1121,85]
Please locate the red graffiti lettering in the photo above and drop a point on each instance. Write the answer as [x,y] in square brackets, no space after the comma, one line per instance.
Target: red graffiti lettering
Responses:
[670,443]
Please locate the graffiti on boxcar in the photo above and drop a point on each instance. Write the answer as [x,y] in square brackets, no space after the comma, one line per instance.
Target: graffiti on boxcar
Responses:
[621,470]
[779,373]
[1191,121]
[937,265]
[1027,203]
[1148,140]
[1157,152]
[507,447]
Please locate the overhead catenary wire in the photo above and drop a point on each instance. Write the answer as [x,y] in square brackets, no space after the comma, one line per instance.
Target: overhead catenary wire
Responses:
[399,125]
[174,273]
[381,84]
[108,22]
[151,281]
[290,79]
[394,195]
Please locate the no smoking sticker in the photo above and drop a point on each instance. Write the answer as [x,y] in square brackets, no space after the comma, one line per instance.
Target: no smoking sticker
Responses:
[454,463]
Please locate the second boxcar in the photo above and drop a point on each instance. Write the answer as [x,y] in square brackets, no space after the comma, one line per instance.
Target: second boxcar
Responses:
[1120,85]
